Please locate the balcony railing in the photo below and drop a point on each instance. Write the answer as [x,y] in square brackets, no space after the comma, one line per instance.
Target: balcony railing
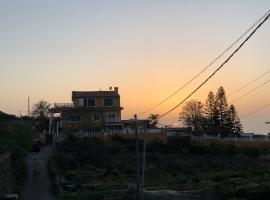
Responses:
[63,105]
[112,120]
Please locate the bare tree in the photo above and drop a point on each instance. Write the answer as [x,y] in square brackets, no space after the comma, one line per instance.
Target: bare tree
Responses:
[41,109]
[40,112]
[192,115]
[153,118]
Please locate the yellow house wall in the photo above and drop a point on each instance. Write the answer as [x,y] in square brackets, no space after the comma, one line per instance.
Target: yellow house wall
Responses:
[86,120]
[99,102]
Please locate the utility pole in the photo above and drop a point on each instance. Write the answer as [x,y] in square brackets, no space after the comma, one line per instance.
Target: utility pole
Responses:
[269,124]
[21,116]
[28,106]
[137,196]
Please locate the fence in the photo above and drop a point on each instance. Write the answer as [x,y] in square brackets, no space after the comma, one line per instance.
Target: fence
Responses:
[254,138]
[107,132]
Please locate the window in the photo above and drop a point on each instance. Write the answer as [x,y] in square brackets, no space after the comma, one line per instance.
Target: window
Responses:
[89,102]
[111,117]
[74,117]
[108,102]
[96,117]
[81,102]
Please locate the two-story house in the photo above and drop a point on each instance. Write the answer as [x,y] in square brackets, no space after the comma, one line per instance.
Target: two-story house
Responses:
[90,111]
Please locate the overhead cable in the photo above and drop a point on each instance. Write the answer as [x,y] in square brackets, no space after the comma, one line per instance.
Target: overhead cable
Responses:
[210,64]
[227,60]
[255,111]
[251,91]
[249,83]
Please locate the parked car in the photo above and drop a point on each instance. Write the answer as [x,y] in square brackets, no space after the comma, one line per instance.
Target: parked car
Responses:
[11,197]
[69,186]
[35,145]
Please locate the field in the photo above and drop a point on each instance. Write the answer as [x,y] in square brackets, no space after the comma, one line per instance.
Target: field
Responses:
[105,168]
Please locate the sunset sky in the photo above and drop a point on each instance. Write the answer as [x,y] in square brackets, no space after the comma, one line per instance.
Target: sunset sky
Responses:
[148,48]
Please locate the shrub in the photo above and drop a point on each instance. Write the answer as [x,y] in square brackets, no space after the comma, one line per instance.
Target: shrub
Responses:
[15,137]
[52,169]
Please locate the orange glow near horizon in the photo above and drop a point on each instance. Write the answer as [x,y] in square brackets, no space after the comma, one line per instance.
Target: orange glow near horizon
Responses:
[149,55]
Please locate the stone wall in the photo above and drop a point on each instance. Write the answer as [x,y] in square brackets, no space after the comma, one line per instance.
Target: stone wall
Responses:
[6,177]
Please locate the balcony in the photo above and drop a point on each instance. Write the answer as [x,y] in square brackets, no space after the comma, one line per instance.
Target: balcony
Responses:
[112,120]
[63,105]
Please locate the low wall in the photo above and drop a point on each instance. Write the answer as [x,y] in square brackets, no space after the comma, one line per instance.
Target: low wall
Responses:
[163,134]
[6,177]
[254,138]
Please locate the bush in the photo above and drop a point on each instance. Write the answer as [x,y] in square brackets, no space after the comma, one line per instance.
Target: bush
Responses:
[15,137]
[52,169]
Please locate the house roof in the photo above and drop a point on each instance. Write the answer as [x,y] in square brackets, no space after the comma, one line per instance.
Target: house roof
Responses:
[85,94]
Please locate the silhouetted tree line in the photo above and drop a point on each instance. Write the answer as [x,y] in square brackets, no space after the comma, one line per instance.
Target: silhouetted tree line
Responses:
[213,117]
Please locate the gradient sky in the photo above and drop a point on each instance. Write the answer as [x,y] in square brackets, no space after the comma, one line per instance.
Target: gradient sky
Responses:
[148,48]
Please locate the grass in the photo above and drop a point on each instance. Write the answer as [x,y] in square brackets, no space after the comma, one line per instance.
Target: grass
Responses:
[225,169]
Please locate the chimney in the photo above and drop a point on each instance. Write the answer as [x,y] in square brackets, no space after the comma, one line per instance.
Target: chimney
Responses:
[116,89]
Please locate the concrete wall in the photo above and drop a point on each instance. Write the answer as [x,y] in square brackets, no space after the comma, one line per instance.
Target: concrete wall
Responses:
[6,177]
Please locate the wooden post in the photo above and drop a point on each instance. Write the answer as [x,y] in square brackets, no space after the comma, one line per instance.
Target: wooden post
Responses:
[137,196]
[57,128]
[143,164]
[50,124]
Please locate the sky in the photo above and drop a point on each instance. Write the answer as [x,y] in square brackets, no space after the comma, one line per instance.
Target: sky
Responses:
[148,48]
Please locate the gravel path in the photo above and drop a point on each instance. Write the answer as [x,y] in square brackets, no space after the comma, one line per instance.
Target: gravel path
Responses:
[37,184]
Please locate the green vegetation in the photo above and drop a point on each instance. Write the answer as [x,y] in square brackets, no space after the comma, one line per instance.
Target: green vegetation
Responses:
[5,117]
[52,168]
[105,167]
[15,138]
[215,117]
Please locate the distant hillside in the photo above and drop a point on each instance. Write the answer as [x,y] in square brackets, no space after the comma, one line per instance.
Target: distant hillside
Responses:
[5,116]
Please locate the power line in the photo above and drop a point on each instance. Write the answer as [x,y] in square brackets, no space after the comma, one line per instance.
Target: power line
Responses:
[255,111]
[210,64]
[249,92]
[249,83]
[227,60]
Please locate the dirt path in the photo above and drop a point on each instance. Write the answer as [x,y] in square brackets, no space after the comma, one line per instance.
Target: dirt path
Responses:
[37,185]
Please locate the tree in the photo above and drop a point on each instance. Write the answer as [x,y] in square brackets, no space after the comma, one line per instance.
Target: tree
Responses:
[41,109]
[40,112]
[210,111]
[192,115]
[153,120]
[222,109]
[233,121]
[221,118]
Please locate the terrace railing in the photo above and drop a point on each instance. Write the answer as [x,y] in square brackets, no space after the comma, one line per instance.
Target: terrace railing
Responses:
[63,105]
[252,138]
